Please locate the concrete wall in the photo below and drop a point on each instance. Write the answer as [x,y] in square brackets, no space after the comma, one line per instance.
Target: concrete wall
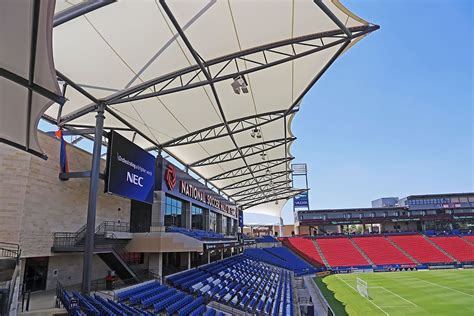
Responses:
[34,203]
[69,268]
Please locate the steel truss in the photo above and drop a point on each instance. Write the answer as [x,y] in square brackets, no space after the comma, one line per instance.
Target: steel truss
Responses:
[262,195]
[205,71]
[247,183]
[284,195]
[236,126]
[246,151]
[227,67]
[256,167]
[268,186]
[217,70]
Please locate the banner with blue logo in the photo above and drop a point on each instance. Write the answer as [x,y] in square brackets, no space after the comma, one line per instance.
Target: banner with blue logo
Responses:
[130,170]
[301,200]
[241,219]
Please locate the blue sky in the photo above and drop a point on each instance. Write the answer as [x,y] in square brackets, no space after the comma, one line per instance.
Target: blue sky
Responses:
[394,115]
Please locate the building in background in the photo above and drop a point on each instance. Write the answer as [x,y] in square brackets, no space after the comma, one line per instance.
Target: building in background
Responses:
[413,213]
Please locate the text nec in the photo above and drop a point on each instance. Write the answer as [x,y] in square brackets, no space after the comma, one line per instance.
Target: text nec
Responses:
[133,178]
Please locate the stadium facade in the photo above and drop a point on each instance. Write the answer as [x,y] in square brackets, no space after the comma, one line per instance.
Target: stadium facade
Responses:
[414,213]
[187,225]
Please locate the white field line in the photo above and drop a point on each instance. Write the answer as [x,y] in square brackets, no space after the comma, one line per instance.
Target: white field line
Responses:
[362,296]
[446,287]
[397,306]
[406,300]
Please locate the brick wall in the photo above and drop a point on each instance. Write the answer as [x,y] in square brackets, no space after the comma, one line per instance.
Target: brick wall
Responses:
[34,203]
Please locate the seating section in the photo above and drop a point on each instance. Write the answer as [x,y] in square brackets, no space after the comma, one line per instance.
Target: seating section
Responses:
[420,249]
[304,247]
[198,234]
[456,247]
[265,239]
[242,283]
[469,239]
[340,252]
[281,257]
[381,251]
[149,298]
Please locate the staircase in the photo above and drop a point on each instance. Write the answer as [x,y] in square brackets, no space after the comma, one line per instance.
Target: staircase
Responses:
[401,250]
[362,252]
[467,241]
[109,248]
[439,248]
[321,254]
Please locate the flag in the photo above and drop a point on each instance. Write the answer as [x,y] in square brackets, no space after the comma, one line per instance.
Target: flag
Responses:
[63,163]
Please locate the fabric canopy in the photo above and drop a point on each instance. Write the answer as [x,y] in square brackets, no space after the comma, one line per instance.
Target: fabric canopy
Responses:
[214,84]
[28,82]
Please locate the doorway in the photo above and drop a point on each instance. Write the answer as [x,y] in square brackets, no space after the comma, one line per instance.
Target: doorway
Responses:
[36,274]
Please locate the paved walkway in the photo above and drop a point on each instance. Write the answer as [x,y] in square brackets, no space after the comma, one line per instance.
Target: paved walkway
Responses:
[313,292]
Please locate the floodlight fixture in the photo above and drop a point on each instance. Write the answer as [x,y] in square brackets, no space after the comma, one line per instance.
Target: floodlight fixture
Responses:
[256,133]
[240,84]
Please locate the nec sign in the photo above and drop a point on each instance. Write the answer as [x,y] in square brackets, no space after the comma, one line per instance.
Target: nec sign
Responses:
[130,170]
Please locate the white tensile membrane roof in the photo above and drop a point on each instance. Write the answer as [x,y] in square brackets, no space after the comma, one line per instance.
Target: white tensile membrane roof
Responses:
[28,82]
[164,71]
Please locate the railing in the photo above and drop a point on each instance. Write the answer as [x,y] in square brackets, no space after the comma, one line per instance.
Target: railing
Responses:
[111,226]
[72,239]
[8,301]
[64,239]
[10,250]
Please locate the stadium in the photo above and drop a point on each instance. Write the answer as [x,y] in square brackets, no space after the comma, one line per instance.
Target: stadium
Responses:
[137,136]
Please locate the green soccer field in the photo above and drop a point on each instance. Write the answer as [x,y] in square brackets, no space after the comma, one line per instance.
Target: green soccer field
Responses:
[444,292]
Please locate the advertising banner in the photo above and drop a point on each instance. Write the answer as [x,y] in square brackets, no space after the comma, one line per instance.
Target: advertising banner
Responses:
[130,170]
[301,200]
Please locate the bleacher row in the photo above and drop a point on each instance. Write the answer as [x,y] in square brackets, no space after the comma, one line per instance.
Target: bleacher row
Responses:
[281,257]
[198,234]
[150,298]
[265,239]
[407,249]
[241,283]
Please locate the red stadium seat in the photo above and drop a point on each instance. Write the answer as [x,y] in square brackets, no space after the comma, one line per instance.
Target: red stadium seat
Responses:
[341,252]
[306,248]
[420,249]
[456,247]
[381,251]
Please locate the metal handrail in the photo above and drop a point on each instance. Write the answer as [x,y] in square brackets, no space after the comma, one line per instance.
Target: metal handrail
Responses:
[71,239]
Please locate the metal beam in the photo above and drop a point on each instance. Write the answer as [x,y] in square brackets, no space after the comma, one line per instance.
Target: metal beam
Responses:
[248,183]
[219,130]
[187,78]
[268,186]
[244,151]
[78,89]
[256,167]
[35,87]
[262,194]
[32,66]
[79,10]
[204,70]
[333,17]
[280,196]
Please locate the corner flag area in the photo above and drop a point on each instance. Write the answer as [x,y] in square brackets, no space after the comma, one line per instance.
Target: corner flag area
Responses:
[443,292]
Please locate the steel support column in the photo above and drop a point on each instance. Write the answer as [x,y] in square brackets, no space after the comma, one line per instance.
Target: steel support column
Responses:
[92,206]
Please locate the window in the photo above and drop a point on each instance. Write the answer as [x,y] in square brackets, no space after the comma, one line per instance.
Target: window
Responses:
[212,221]
[196,217]
[173,211]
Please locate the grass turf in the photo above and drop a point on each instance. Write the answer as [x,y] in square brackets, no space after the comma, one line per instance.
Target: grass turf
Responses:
[442,292]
